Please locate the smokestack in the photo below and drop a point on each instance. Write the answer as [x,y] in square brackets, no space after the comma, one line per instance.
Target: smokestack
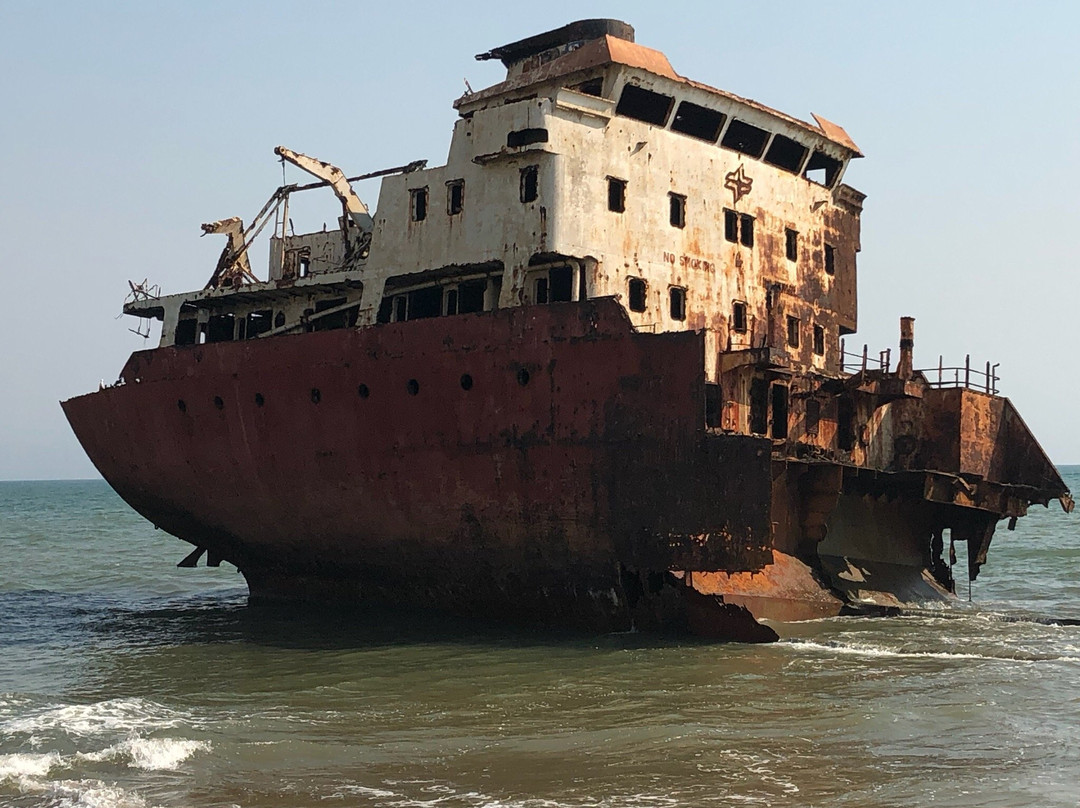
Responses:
[907,347]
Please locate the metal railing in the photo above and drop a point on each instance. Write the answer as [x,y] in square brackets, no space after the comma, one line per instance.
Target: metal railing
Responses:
[966,376]
[863,361]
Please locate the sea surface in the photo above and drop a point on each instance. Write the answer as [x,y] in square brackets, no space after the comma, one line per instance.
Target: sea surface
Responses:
[125,681]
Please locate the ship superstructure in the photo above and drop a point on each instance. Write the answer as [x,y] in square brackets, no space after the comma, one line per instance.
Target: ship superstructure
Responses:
[590,371]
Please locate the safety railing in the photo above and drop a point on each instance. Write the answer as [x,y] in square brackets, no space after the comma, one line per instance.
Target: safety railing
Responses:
[967,377]
[861,362]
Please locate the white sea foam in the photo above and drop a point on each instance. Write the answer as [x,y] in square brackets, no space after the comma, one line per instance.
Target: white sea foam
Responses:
[1005,655]
[160,754]
[90,794]
[102,717]
[17,766]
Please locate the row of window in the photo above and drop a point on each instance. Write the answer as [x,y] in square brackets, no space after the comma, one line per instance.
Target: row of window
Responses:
[528,191]
[707,124]
[228,327]
[637,294]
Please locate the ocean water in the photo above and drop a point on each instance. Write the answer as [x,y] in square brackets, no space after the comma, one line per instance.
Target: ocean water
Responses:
[125,681]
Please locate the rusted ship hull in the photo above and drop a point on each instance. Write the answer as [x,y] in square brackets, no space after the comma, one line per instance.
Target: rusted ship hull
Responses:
[546,464]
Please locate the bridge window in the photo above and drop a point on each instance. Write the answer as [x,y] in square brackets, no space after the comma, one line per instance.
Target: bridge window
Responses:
[562,284]
[699,122]
[526,137]
[731,225]
[678,303]
[530,183]
[677,214]
[793,331]
[455,196]
[819,340]
[644,105]
[186,331]
[745,138]
[739,227]
[418,204]
[591,87]
[220,328]
[822,169]
[616,195]
[637,289]
[785,153]
[259,322]
[830,259]
[746,230]
[471,296]
[738,316]
[791,244]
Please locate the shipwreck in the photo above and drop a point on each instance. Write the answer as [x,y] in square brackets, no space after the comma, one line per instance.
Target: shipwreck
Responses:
[591,372]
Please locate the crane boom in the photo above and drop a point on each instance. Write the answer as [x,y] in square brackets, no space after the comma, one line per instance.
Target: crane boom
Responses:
[353,206]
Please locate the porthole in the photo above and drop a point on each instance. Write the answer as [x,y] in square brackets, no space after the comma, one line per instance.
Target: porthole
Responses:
[523,377]
[363,391]
[259,400]
[413,386]
[466,381]
[316,396]
[181,405]
[219,403]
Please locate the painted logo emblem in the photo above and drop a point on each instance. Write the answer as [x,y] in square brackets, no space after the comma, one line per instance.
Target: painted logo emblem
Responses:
[738,183]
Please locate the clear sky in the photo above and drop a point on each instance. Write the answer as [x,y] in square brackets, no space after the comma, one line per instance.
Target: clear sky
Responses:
[126,125]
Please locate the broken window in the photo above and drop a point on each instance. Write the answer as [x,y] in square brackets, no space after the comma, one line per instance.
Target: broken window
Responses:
[822,169]
[745,138]
[400,303]
[793,331]
[526,137]
[591,87]
[713,405]
[845,416]
[279,319]
[637,288]
[785,153]
[759,406]
[746,230]
[678,303]
[779,411]
[731,225]
[819,340]
[186,331]
[830,260]
[339,319]
[561,284]
[424,303]
[259,322]
[542,290]
[738,316]
[644,105]
[699,122]
[616,195]
[418,204]
[305,265]
[471,296]
[813,416]
[220,328]
[530,183]
[451,301]
[677,214]
[455,196]
[791,244]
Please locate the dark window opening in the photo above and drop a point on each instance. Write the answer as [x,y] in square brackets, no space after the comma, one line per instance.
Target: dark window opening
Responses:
[471,296]
[845,417]
[418,204]
[677,213]
[759,406]
[713,405]
[582,287]
[699,122]
[731,225]
[562,284]
[822,169]
[644,105]
[525,137]
[339,319]
[455,196]
[637,288]
[793,331]
[305,266]
[745,139]
[746,230]
[412,386]
[785,153]
[616,195]
[186,331]
[400,303]
[279,319]
[791,244]
[259,322]
[779,411]
[424,303]
[542,290]
[591,87]
[530,183]
[813,416]
[241,329]
[830,259]
[451,301]
[678,303]
[738,316]
[819,340]
[220,328]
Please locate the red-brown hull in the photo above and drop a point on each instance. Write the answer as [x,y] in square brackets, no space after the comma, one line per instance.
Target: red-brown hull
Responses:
[560,487]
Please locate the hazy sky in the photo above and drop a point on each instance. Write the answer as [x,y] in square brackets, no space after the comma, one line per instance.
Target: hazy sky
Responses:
[126,125]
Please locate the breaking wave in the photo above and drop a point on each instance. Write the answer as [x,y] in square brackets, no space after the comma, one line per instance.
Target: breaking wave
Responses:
[115,716]
[865,650]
